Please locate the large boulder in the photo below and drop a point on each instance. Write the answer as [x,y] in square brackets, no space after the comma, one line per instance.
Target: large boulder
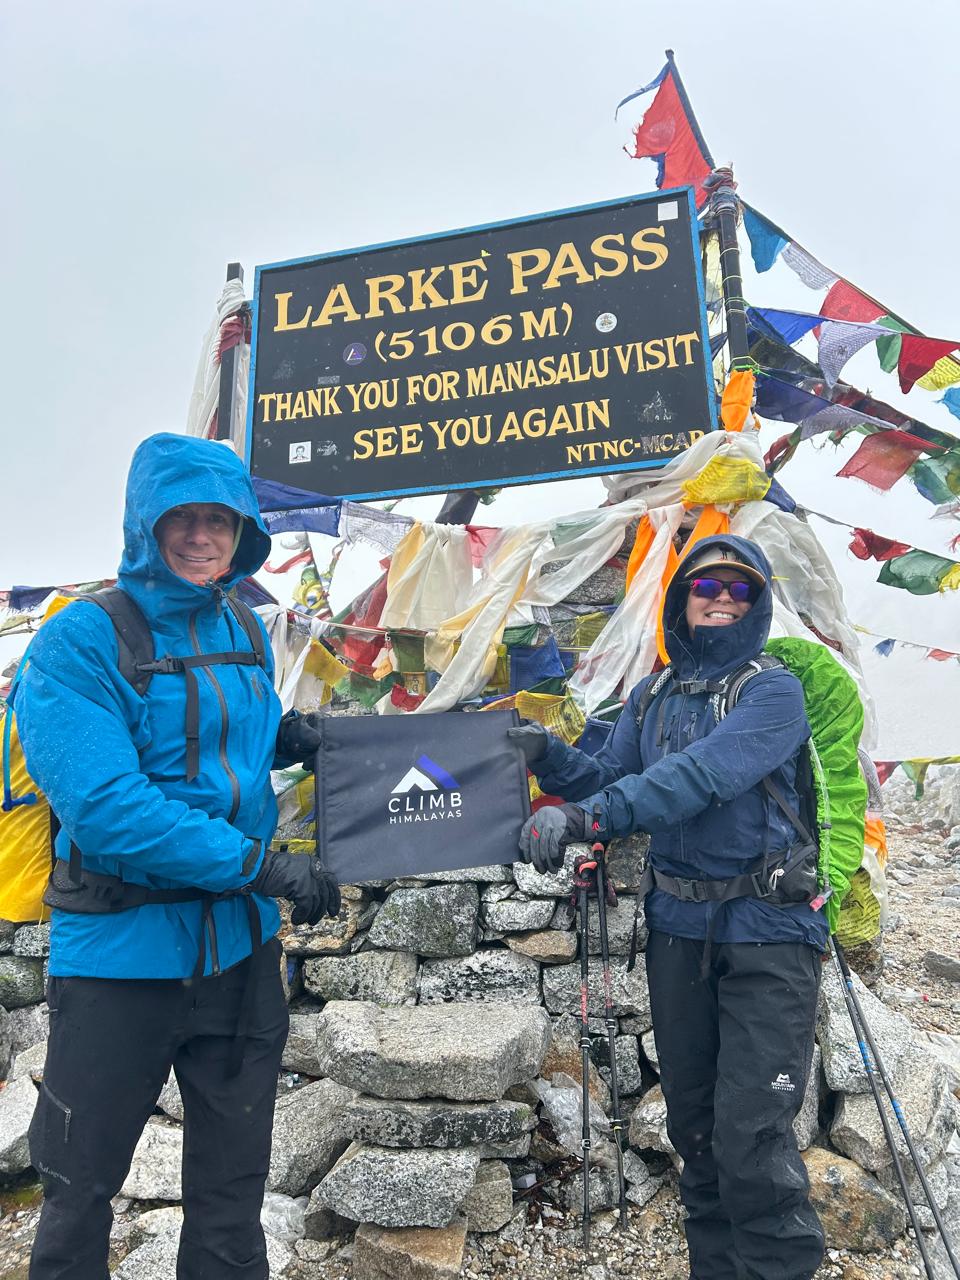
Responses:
[842,1062]
[855,1211]
[517,914]
[307,1136]
[927,1105]
[21,981]
[17,1103]
[492,974]
[561,991]
[155,1168]
[438,921]
[466,1052]
[435,1122]
[399,1188]
[385,977]
[409,1253]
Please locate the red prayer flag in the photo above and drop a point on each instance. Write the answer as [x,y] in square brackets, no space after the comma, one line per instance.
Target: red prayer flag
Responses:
[885,768]
[669,134]
[884,457]
[844,302]
[866,545]
[940,655]
[919,355]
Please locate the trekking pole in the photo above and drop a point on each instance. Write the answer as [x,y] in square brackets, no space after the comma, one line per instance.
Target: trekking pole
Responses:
[616,1123]
[868,1049]
[582,883]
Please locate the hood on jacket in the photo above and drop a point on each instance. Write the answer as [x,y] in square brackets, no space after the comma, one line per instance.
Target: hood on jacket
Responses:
[169,470]
[712,652]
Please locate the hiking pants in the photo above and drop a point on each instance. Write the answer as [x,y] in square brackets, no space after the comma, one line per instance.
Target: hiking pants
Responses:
[735,1052]
[112,1044]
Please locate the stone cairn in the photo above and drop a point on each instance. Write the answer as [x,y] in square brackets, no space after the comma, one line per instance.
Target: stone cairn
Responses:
[432,1077]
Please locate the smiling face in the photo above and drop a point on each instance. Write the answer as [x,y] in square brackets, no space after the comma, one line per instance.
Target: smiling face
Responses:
[196,540]
[722,611]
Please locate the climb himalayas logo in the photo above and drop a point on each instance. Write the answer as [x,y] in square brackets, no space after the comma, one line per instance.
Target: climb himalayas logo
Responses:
[425,793]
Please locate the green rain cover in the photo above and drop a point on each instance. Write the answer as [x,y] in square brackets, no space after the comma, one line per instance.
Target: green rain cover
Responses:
[835,713]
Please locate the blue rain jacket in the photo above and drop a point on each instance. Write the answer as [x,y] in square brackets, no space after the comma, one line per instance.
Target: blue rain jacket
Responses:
[113,764]
[696,785]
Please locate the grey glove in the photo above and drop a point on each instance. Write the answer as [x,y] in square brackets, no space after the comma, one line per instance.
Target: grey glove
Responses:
[532,739]
[547,833]
[301,879]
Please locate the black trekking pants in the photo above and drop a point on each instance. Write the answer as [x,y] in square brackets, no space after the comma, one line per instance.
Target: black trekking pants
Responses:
[735,1052]
[112,1044]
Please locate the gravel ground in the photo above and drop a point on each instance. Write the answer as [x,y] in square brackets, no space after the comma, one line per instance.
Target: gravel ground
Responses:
[541,1244]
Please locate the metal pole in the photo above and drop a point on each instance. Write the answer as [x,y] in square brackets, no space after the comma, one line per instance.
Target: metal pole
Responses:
[458,507]
[616,1123]
[581,879]
[227,403]
[724,206]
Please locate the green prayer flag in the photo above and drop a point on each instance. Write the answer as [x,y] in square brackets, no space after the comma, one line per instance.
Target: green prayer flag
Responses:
[917,572]
[888,349]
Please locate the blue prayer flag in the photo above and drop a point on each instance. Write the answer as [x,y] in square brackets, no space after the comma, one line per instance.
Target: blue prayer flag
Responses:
[767,242]
[951,399]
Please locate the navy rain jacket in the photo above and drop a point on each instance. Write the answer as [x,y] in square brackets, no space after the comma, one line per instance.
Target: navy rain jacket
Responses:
[114,765]
[695,785]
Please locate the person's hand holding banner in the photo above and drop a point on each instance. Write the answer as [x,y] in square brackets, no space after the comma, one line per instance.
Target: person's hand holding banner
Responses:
[547,833]
[532,739]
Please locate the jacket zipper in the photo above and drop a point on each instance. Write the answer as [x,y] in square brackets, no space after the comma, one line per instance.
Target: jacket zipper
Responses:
[232,777]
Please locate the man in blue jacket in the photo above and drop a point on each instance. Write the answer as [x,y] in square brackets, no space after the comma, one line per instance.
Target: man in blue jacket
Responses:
[162,889]
[733,957]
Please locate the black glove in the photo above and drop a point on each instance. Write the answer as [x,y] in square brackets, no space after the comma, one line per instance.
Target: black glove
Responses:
[301,879]
[298,737]
[547,833]
[531,738]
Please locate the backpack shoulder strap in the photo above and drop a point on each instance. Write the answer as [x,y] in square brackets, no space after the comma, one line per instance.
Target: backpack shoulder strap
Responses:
[134,638]
[725,701]
[651,691]
[251,625]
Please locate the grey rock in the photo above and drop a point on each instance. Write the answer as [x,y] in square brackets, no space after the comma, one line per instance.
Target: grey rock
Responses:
[332,936]
[558,884]
[564,917]
[21,981]
[157,1259]
[17,1103]
[952,891]
[320,1223]
[155,1222]
[942,966]
[409,1253]
[648,1125]
[947,1049]
[927,1104]
[436,1122]
[499,873]
[28,1026]
[546,946]
[519,1149]
[307,1136]
[649,1046]
[385,977]
[629,1076]
[486,975]
[489,1202]
[604,1190]
[155,1168]
[642,1186]
[806,1126]
[515,915]
[30,1063]
[437,921]
[939,1180]
[601,587]
[498,892]
[619,927]
[6,1043]
[396,1188]
[170,1101]
[842,1063]
[32,940]
[855,1211]
[301,1053]
[8,931]
[561,990]
[466,1052]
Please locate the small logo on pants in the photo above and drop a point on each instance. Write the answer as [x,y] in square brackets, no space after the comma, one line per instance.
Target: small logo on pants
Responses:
[783,1083]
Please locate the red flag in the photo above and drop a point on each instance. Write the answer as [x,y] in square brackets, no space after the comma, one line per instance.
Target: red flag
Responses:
[940,655]
[844,302]
[885,768]
[669,134]
[884,457]
[866,545]
[919,355]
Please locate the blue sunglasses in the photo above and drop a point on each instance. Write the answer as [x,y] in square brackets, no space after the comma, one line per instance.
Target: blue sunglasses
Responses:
[741,592]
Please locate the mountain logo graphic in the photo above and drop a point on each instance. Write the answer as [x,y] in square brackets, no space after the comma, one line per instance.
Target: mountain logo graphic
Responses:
[426,775]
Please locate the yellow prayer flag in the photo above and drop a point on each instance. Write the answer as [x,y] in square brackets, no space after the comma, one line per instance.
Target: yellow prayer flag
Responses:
[726,480]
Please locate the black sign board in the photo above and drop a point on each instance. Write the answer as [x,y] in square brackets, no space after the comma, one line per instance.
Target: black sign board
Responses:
[405,795]
[561,345]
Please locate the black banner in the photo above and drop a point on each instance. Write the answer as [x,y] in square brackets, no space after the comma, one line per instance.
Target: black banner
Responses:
[403,795]
[561,345]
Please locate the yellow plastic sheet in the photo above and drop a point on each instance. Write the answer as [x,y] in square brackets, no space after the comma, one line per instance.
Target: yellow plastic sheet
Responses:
[24,845]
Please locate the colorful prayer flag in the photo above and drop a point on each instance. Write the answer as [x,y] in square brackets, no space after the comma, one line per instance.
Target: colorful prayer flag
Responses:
[767,241]
[868,545]
[918,356]
[918,572]
[883,458]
